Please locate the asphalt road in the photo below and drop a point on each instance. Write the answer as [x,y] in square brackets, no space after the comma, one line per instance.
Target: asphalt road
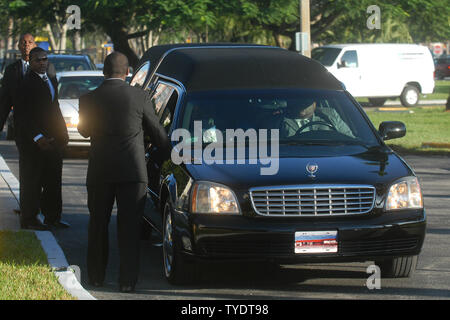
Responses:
[255,281]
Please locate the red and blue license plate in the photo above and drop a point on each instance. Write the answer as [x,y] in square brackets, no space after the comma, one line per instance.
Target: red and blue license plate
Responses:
[316,242]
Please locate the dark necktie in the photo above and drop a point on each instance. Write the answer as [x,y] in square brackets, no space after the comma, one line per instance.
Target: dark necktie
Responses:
[25,68]
[49,85]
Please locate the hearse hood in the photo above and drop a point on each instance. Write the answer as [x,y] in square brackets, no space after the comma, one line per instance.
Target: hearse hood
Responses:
[350,165]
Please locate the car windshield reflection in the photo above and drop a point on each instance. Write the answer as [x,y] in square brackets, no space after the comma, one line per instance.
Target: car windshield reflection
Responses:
[303,117]
[74,87]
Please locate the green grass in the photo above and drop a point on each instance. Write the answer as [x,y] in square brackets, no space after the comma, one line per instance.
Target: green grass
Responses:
[441,92]
[424,125]
[24,271]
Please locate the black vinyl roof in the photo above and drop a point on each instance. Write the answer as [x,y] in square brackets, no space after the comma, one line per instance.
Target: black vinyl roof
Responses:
[155,53]
[209,67]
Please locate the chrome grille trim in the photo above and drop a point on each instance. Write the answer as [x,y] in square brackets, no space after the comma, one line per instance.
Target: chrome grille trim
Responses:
[313,200]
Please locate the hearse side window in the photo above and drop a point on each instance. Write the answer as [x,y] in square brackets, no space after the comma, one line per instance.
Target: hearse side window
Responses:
[350,59]
[140,75]
[162,94]
[168,112]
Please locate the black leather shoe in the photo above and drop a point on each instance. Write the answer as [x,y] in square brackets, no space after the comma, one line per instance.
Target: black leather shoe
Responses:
[126,288]
[96,284]
[59,225]
[35,225]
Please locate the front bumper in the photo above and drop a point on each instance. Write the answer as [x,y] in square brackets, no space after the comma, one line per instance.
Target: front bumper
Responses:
[248,238]
[76,139]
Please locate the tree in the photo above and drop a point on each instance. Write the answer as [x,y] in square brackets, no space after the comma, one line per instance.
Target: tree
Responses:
[117,18]
[261,21]
[345,20]
[12,22]
[428,20]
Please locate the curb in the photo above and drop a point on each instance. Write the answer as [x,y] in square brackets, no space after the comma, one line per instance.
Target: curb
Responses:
[65,274]
[435,145]
[397,105]
[420,103]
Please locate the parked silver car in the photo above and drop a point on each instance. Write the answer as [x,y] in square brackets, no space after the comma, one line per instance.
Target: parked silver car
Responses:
[71,85]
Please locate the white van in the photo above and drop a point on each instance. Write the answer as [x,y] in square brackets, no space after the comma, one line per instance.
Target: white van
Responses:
[380,71]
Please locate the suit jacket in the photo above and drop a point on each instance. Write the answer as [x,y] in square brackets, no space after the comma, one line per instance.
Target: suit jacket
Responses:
[11,81]
[10,86]
[115,117]
[36,113]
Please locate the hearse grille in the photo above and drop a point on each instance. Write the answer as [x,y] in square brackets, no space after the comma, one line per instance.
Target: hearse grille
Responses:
[313,200]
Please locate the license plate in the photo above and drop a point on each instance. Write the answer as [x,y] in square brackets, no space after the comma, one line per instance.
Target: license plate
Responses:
[316,242]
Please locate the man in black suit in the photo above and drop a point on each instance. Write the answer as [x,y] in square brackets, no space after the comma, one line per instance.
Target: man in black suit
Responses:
[115,116]
[41,136]
[11,81]
[13,76]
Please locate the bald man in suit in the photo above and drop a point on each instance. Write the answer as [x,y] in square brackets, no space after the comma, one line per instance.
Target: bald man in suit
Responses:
[115,117]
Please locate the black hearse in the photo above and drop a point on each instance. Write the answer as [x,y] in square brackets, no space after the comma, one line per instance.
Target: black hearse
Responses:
[317,188]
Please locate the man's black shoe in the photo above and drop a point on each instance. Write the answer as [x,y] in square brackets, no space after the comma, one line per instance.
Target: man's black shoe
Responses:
[59,225]
[96,284]
[35,225]
[126,288]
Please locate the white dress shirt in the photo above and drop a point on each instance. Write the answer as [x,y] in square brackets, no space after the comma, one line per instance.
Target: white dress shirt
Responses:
[25,66]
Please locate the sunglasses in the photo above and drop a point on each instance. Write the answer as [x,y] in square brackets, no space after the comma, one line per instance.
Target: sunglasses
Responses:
[40,59]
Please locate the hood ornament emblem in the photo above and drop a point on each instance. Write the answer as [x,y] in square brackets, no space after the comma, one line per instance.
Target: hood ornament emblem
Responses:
[312,169]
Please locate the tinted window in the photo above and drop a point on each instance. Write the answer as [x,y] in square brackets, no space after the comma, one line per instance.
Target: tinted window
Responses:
[332,117]
[140,76]
[167,114]
[62,63]
[74,87]
[326,56]
[162,94]
[443,60]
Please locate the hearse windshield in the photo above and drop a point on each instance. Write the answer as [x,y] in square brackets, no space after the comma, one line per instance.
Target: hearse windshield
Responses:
[301,116]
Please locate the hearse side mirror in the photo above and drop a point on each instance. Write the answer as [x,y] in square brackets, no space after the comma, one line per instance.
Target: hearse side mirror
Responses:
[392,130]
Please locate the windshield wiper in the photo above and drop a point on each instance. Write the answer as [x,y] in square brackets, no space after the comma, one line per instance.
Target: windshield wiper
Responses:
[326,143]
[306,143]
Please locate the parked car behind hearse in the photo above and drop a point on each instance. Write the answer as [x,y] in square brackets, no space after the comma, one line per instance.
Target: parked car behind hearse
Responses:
[71,86]
[340,194]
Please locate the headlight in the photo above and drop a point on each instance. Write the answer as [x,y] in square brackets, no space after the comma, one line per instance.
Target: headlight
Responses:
[405,194]
[213,198]
[74,120]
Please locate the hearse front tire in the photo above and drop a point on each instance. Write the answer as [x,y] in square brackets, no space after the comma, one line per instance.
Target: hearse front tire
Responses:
[398,267]
[178,269]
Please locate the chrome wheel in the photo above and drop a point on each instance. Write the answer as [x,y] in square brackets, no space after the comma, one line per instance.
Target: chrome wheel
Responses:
[168,252]
[177,270]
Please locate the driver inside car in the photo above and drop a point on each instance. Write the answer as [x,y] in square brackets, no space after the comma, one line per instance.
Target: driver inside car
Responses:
[303,116]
